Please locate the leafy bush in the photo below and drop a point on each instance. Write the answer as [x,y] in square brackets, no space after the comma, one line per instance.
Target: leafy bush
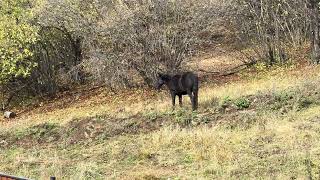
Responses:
[185,118]
[304,102]
[17,36]
[226,101]
[242,103]
[282,100]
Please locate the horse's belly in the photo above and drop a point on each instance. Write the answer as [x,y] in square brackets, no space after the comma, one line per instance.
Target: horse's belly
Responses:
[182,93]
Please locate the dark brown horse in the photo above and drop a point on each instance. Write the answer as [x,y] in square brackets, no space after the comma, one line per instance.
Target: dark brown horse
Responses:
[181,84]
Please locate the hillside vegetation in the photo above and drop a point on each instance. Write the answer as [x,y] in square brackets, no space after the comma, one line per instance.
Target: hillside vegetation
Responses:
[79,74]
[266,125]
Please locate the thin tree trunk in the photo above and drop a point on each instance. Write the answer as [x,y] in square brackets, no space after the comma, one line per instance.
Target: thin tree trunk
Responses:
[315,41]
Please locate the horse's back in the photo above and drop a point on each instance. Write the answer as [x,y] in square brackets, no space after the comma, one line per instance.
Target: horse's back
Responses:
[190,75]
[190,80]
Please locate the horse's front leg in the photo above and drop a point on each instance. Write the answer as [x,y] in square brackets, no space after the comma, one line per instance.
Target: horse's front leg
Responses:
[180,100]
[173,96]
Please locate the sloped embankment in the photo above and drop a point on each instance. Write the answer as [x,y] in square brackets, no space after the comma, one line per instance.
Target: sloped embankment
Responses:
[237,112]
[270,132]
[79,130]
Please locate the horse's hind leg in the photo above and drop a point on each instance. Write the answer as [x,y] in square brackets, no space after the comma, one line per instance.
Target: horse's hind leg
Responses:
[173,97]
[195,100]
[195,90]
[191,99]
[180,100]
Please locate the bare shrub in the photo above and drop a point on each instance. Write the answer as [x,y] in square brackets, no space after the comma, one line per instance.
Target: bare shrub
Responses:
[272,27]
[146,37]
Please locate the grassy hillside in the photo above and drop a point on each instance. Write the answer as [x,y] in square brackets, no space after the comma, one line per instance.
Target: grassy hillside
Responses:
[262,125]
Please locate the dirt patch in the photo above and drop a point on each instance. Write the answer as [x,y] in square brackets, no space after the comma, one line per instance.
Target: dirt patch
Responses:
[80,130]
[106,127]
[39,134]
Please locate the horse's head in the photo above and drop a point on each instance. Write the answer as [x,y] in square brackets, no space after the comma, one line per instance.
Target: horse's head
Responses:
[161,80]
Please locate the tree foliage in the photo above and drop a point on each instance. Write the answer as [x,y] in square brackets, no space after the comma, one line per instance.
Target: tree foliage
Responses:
[17,36]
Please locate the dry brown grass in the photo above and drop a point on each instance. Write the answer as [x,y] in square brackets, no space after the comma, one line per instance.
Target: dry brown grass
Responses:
[278,150]
[141,101]
[274,146]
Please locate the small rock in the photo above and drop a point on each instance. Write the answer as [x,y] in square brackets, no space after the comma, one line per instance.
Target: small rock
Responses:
[9,114]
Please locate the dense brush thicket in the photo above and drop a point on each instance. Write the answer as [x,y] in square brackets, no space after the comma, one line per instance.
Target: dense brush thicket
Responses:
[50,45]
[273,27]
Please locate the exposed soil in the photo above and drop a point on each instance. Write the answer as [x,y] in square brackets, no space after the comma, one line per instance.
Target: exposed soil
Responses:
[81,130]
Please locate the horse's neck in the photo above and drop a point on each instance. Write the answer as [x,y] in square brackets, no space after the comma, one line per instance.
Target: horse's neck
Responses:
[170,85]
